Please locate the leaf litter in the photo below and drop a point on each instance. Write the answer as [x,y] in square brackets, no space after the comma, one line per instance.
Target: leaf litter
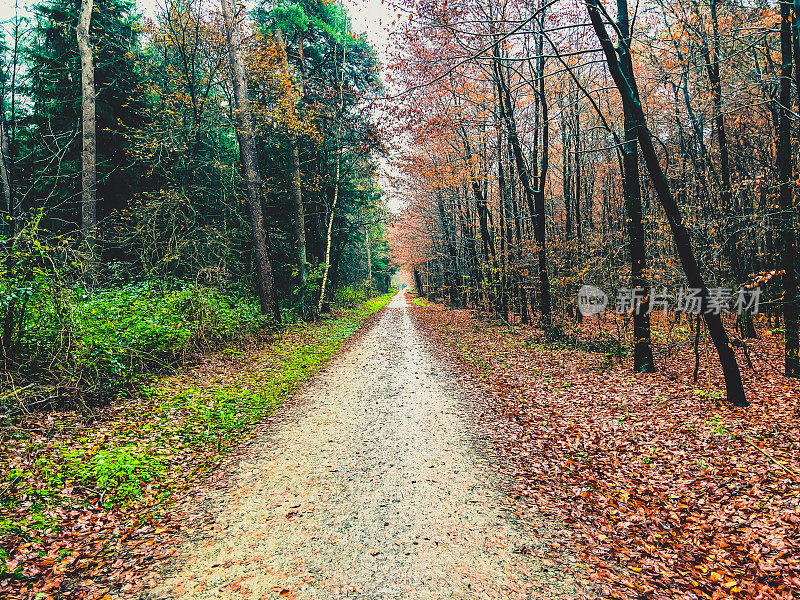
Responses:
[665,491]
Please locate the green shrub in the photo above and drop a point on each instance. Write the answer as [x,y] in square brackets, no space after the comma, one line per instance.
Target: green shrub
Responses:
[352,294]
[101,341]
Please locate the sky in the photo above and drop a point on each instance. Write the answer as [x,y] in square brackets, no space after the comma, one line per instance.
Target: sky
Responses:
[372,17]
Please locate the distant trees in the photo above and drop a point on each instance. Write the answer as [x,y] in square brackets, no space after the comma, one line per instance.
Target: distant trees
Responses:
[338,138]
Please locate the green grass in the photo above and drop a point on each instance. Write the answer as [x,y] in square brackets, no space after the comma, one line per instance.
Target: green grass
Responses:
[419,302]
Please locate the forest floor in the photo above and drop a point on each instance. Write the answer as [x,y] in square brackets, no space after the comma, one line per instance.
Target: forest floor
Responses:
[664,491]
[373,485]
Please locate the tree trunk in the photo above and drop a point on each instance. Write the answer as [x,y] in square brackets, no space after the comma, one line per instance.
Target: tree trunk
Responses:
[15,208]
[796,22]
[506,218]
[578,224]
[5,166]
[329,230]
[712,67]
[534,197]
[299,223]
[711,56]
[566,173]
[298,216]
[514,150]
[89,151]
[368,245]
[632,191]
[540,230]
[329,239]
[247,147]
[487,243]
[784,164]
[451,269]
[418,283]
[730,369]
[468,232]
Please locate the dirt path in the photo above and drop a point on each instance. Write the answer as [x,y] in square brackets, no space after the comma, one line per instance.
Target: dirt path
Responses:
[371,488]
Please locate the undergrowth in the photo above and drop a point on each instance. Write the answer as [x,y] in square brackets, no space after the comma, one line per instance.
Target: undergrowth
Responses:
[100,342]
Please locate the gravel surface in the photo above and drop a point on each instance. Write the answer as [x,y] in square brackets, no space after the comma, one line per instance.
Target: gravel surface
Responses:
[371,487]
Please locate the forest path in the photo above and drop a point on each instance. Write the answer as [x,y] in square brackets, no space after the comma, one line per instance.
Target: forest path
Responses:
[371,487]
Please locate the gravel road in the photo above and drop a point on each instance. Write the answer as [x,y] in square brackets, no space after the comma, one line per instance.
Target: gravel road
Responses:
[371,487]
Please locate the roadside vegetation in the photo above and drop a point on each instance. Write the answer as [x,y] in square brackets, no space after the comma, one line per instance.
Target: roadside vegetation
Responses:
[80,482]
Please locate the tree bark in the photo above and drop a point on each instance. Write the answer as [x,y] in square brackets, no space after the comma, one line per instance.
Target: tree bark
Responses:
[418,283]
[784,165]
[15,208]
[247,146]
[298,215]
[578,224]
[368,244]
[712,68]
[5,165]
[329,230]
[796,22]
[539,216]
[730,369]
[89,150]
[632,192]
[329,239]
[566,172]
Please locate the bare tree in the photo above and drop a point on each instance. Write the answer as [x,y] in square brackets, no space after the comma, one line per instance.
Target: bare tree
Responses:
[89,152]
[626,86]
[247,145]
